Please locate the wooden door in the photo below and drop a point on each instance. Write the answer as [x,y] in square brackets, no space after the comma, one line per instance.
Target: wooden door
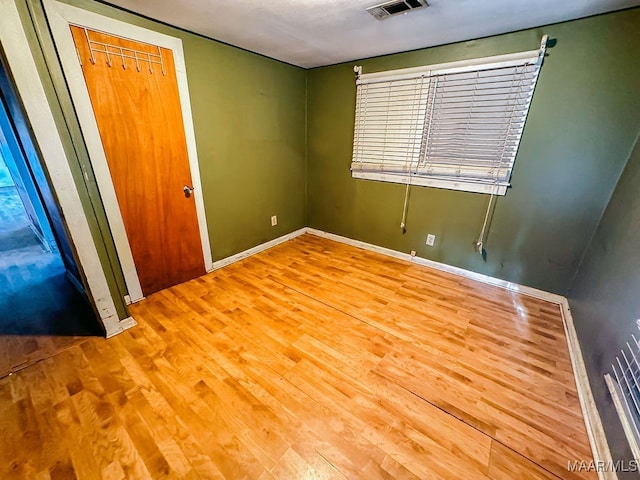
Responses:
[134,94]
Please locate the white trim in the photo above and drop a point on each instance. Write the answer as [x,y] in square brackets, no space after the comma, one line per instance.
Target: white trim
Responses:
[473,64]
[431,182]
[125,324]
[359,244]
[257,249]
[31,92]
[592,420]
[593,423]
[60,15]
[497,282]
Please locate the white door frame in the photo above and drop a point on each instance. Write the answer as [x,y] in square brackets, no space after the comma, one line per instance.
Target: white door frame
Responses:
[60,16]
[37,109]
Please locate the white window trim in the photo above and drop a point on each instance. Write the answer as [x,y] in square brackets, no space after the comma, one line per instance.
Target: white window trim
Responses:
[25,74]
[460,66]
[431,182]
[60,16]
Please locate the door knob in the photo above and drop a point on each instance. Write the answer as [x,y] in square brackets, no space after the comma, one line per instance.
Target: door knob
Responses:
[187,191]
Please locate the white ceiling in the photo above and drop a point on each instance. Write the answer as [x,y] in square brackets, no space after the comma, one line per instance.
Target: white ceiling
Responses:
[310,33]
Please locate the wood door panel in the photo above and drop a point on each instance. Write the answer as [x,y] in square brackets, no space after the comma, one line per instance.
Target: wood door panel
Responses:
[140,122]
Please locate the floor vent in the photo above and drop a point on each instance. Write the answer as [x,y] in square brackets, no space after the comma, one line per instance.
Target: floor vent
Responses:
[624,386]
[395,7]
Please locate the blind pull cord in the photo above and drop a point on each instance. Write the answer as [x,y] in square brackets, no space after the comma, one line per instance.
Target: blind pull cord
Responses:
[403,223]
[480,242]
[404,209]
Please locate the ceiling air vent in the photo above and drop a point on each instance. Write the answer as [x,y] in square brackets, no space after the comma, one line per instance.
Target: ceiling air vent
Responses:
[395,7]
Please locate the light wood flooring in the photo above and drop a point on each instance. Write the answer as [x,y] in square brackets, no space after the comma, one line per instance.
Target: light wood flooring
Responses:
[312,360]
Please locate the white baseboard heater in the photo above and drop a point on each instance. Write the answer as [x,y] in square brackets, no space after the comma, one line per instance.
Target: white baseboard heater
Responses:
[624,386]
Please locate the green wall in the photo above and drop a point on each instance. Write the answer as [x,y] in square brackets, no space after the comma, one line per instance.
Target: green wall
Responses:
[581,126]
[249,120]
[249,116]
[604,298]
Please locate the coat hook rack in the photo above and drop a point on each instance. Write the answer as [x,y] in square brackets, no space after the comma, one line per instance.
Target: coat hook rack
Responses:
[124,53]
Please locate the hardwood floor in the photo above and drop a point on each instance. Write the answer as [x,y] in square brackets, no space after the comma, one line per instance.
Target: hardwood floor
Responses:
[310,360]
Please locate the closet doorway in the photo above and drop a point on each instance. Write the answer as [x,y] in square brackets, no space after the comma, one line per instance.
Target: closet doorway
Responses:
[43,303]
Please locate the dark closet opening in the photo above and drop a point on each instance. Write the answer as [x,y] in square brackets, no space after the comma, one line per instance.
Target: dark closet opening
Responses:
[41,289]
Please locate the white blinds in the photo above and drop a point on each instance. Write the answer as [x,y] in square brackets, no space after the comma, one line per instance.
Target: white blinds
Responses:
[391,115]
[454,125]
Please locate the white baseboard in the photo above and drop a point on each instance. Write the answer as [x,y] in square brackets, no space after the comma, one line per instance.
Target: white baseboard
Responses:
[511,286]
[125,324]
[593,423]
[592,420]
[359,244]
[498,282]
[128,301]
[257,249]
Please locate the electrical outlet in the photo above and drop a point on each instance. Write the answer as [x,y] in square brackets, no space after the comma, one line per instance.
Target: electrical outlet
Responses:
[413,253]
[274,220]
[431,239]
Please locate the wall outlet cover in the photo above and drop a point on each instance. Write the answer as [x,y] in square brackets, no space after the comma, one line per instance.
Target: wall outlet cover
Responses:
[274,220]
[431,239]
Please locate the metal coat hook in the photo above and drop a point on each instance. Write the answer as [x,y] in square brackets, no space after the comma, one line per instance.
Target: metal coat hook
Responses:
[161,61]
[93,58]
[106,51]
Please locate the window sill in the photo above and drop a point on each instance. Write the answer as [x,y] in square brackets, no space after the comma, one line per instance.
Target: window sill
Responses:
[432,182]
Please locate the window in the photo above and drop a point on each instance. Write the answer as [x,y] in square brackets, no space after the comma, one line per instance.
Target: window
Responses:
[455,125]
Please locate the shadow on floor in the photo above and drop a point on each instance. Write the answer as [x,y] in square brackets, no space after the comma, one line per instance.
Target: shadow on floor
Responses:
[36,297]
